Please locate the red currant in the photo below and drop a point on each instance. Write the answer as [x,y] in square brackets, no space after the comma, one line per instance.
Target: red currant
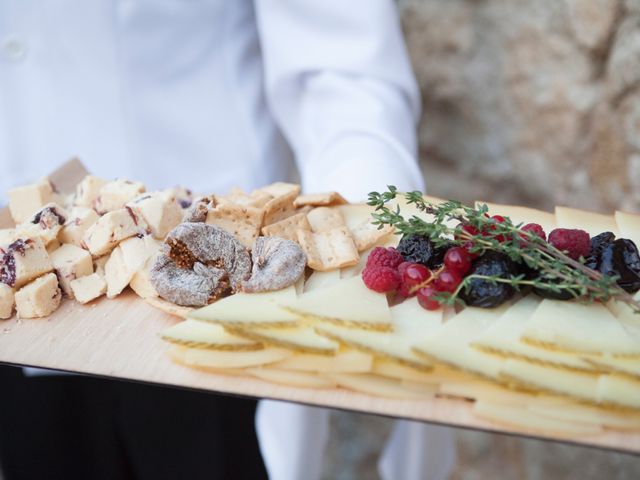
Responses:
[496,219]
[447,281]
[458,260]
[535,229]
[470,229]
[425,298]
[411,276]
[468,246]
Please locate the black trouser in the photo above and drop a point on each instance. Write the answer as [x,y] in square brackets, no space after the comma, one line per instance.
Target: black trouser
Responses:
[68,427]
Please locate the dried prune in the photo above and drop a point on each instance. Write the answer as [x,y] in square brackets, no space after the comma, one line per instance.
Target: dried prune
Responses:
[621,258]
[420,249]
[598,243]
[484,293]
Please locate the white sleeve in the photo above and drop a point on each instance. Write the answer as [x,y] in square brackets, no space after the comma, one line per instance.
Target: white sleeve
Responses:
[340,86]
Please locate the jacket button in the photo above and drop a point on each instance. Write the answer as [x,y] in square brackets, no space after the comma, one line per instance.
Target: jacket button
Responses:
[13,49]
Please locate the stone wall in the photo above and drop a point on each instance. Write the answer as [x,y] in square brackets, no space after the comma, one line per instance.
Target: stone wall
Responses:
[534,102]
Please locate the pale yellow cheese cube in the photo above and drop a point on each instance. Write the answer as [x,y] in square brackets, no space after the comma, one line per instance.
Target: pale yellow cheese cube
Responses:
[110,229]
[127,259]
[71,262]
[88,288]
[161,211]
[25,201]
[115,195]
[45,224]
[88,191]
[7,301]
[22,261]
[39,298]
[79,221]
[116,273]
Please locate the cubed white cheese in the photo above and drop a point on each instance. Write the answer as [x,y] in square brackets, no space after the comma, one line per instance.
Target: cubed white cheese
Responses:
[71,262]
[160,210]
[79,221]
[88,288]
[25,201]
[7,301]
[99,263]
[141,282]
[39,298]
[45,224]
[53,246]
[116,273]
[111,229]
[7,236]
[88,191]
[115,195]
[22,261]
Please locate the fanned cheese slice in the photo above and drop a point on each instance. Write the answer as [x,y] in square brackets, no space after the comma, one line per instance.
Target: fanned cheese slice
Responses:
[629,226]
[625,366]
[553,380]
[299,339]
[250,309]
[524,215]
[347,361]
[594,223]
[411,322]
[619,390]
[379,386]
[320,279]
[195,334]
[521,417]
[451,344]
[479,390]
[503,338]
[292,378]
[574,412]
[579,328]
[206,358]
[393,369]
[348,303]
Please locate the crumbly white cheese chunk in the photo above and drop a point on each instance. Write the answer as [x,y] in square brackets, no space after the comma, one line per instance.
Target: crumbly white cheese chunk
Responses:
[26,200]
[45,224]
[39,298]
[22,261]
[71,262]
[88,288]
[78,222]
[161,211]
[88,191]
[115,195]
[111,229]
[7,301]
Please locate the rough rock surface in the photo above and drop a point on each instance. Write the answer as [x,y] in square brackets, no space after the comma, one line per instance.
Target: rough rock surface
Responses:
[534,102]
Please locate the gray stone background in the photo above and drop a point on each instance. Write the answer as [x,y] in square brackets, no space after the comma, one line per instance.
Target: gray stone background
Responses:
[531,102]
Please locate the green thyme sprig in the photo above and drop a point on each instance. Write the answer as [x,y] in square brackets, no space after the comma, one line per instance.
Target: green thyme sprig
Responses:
[453,222]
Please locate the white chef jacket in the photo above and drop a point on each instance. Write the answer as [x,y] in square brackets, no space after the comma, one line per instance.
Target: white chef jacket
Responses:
[212,94]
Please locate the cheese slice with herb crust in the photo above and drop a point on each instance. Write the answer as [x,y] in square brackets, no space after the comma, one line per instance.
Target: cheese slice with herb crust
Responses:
[195,334]
[348,303]
[503,338]
[574,327]
[411,322]
[250,309]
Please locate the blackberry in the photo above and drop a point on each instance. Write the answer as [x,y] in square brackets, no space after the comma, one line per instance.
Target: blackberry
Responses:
[483,293]
[420,249]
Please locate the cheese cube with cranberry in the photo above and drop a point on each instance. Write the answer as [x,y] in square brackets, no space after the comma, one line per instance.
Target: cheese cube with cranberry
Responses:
[7,301]
[22,261]
[39,298]
[25,201]
[115,195]
[161,211]
[79,221]
[88,191]
[112,228]
[88,288]
[71,262]
[45,224]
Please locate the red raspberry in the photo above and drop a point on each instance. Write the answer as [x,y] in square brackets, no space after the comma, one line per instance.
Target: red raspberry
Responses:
[381,279]
[384,257]
[535,229]
[425,298]
[575,243]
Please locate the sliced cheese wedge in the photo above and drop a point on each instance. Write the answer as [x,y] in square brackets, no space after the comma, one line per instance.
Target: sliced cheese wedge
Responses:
[575,412]
[594,223]
[206,358]
[618,390]
[298,339]
[503,338]
[487,391]
[582,386]
[346,361]
[195,334]
[347,303]
[320,279]
[579,328]
[522,418]
[451,344]
[411,323]
[623,366]
[291,378]
[524,215]
[250,309]
[629,226]
[393,369]
[375,385]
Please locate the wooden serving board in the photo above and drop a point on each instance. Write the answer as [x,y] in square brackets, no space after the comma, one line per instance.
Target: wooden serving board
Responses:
[119,339]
